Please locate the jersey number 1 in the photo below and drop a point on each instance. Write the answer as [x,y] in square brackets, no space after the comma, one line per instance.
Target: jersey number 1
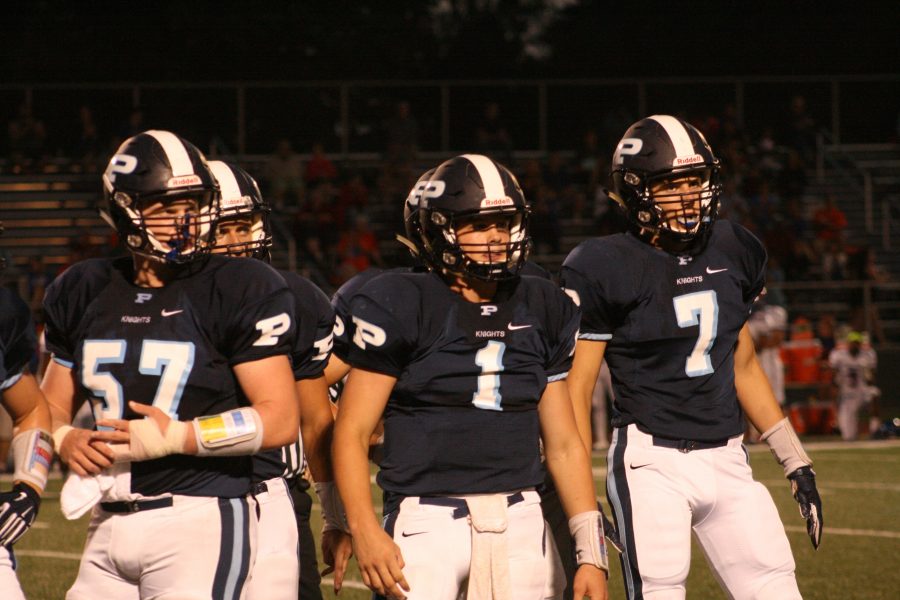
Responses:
[490,359]
[699,308]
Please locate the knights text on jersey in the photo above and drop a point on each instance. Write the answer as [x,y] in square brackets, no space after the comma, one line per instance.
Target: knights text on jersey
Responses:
[671,324]
[462,417]
[312,347]
[17,337]
[173,347]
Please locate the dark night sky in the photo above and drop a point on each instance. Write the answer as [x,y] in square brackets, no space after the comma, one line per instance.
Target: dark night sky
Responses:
[50,41]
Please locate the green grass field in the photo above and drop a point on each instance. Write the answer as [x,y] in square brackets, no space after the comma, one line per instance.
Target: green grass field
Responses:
[858,559]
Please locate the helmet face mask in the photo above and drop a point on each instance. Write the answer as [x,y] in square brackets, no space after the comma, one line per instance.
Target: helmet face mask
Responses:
[465,193]
[161,197]
[241,203]
[667,181]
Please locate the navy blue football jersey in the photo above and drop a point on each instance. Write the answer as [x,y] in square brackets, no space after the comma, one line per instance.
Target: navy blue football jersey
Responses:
[17,337]
[173,347]
[462,417]
[312,347]
[672,323]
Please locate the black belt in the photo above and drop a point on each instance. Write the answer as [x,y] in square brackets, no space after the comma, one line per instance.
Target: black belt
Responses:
[688,445]
[259,488]
[134,506]
[461,509]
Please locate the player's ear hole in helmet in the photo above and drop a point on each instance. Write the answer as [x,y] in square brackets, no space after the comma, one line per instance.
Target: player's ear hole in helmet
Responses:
[472,191]
[241,203]
[667,181]
[161,197]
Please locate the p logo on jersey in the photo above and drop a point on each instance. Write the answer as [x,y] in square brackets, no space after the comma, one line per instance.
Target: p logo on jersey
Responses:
[368,333]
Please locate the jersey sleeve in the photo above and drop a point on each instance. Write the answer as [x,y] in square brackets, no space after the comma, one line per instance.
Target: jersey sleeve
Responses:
[260,313]
[585,276]
[384,315]
[18,341]
[65,300]
[315,324]
[565,317]
[755,259]
[343,330]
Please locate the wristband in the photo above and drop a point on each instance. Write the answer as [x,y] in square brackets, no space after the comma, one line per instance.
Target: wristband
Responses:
[32,452]
[590,546]
[236,432]
[332,508]
[59,435]
[786,446]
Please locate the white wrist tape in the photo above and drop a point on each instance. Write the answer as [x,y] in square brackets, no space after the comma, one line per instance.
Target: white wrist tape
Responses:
[333,513]
[236,432]
[32,452]
[785,445]
[590,546]
[59,435]
[147,442]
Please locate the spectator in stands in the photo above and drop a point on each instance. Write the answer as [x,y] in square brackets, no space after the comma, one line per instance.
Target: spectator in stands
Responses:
[829,220]
[834,261]
[284,175]
[792,177]
[320,168]
[89,150]
[131,127]
[353,197]
[27,138]
[316,217]
[317,264]
[801,129]
[492,135]
[401,134]
[357,247]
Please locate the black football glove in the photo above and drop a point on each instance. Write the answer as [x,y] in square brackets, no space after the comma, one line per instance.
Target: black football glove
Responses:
[803,485]
[18,510]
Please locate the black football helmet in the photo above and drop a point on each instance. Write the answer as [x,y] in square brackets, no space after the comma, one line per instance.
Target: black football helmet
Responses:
[656,149]
[411,213]
[467,186]
[241,198]
[158,166]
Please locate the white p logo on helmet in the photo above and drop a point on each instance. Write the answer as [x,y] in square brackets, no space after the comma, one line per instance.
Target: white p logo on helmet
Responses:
[120,163]
[627,147]
[425,190]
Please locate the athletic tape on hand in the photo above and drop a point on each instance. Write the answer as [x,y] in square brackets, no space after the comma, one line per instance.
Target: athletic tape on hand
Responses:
[32,452]
[147,442]
[590,546]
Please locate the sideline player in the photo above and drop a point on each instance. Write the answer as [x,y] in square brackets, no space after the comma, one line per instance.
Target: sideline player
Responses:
[466,364]
[197,343]
[244,230]
[666,304]
[854,371]
[32,446]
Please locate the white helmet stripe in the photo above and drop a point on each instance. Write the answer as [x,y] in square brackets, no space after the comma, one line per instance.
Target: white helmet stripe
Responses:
[231,191]
[490,175]
[176,153]
[677,133]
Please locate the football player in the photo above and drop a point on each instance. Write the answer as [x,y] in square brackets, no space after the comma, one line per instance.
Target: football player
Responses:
[32,446]
[466,363]
[184,357]
[666,304]
[244,230]
[853,364]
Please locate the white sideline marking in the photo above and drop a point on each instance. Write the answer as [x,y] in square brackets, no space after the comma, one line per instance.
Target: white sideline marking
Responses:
[48,554]
[348,583]
[817,446]
[845,485]
[844,531]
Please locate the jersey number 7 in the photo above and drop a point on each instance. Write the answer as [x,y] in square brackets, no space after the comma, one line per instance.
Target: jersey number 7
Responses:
[699,308]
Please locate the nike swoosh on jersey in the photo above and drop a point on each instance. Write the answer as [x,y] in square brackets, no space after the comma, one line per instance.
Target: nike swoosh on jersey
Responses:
[169,313]
[633,466]
[404,534]
[512,327]
[712,271]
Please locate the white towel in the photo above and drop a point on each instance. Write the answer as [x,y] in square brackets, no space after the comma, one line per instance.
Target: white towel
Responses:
[489,567]
[80,494]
